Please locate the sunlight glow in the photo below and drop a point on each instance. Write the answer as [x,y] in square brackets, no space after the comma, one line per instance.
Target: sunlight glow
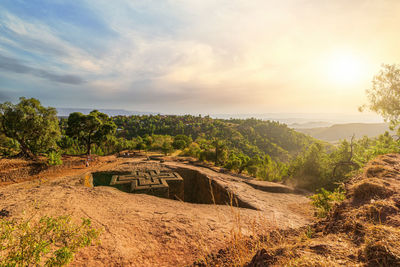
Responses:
[345,69]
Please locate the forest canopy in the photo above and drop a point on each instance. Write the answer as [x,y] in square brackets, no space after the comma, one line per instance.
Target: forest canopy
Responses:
[267,150]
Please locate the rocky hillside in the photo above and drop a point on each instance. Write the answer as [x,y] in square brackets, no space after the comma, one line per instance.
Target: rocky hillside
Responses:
[361,231]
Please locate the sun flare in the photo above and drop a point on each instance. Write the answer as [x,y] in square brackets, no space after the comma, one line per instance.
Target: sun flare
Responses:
[345,69]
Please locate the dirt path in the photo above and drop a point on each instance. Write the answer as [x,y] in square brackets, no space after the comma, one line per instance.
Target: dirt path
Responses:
[24,171]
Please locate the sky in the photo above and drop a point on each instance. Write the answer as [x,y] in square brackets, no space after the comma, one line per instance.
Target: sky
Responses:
[191,56]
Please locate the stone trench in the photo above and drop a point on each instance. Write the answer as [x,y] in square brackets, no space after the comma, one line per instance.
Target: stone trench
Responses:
[180,184]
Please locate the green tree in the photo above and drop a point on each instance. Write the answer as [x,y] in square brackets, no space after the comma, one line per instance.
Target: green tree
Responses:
[253,165]
[181,141]
[167,147]
[93,128]
[193,150]
[244,159]
[220,147]
[33,126]
[384,96]
[233,162]
[311,170]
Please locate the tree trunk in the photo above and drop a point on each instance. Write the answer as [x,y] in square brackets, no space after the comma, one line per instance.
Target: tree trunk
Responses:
[216,155]
[26,152]
[241,168]
[88,146]
[88,150]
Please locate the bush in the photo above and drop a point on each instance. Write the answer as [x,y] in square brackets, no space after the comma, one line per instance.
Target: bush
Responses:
[167,148]
[310,170]
[54,158]
[179,144]
[51,241]
[181,141]
[8,146]
[325,200]
[97,150]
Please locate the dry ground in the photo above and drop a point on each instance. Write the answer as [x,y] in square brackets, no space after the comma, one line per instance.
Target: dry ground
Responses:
[143,230]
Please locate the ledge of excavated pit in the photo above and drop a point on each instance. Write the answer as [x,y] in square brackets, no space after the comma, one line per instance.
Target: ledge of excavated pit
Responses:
[278,200]
[259,195]
[197,187]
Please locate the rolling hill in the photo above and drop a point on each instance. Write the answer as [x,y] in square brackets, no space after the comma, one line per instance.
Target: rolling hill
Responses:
[338,132]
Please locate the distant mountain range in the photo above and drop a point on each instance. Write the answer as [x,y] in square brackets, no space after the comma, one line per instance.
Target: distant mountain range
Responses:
[64,112]
[311,124]
[338,132]
[308,120]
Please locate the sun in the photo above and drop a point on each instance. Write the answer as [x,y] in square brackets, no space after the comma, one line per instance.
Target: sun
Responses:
[344,69]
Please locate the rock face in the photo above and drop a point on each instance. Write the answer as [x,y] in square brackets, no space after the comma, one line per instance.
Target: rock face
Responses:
[186,184]
[202,186]
[144,230]
[164,184]
[203,189]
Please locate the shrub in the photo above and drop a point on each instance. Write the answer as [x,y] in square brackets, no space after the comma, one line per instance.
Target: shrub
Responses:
[325,200]
[54,158]
[193,150]
[8,146]
[179,144]
[181,141]
[167,148]
[52,241]
[97,150]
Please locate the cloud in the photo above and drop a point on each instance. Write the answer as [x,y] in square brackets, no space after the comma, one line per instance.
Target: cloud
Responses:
[14,65]
[4,97]
[188,55]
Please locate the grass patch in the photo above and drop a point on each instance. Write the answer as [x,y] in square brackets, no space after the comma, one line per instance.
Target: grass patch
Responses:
[370,189]
[382,246]
[324,200]
[52,241]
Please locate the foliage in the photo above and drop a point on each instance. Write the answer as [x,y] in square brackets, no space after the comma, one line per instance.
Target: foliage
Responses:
[259,148]
[71,146]
[366,148]
[384,96]
[97,150]
[33,126]
[264,149]
[181,141]
[251,136]
[54,158]
[8,146]
[311,169]
[324,200]
[193,150]
[94,128]
[220,151]
[315,167]
[166,147]
[272,170]
[140,145]
[115,145]
[52,241]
